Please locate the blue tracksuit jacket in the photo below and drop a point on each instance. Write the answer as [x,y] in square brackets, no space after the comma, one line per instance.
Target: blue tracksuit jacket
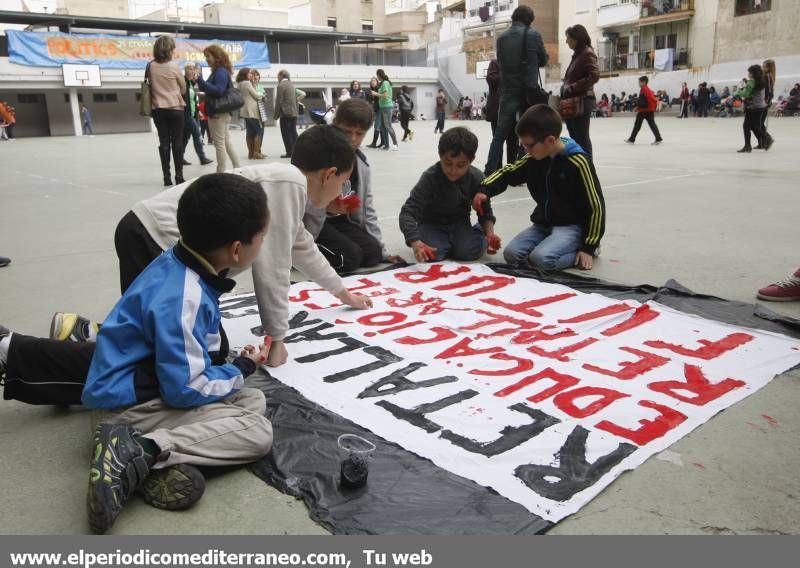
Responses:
[164,340]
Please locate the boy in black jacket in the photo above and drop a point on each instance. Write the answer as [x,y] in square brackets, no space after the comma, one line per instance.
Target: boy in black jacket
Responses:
[569,218]
[435,218]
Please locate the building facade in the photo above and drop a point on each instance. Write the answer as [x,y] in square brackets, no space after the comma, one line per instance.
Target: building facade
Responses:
[673,41]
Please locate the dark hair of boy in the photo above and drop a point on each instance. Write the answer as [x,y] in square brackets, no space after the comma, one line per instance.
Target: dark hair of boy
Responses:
[523,14]
[644,79]
[322,147]
[539,122]
[354,112]
[458,140]
[219,209]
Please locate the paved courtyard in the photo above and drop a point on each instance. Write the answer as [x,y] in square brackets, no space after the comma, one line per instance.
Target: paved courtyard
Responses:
[691,209]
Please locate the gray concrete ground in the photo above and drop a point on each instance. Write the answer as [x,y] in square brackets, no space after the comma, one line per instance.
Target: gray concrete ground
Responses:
[692,209]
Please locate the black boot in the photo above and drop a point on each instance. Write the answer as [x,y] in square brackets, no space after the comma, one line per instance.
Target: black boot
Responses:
[744,149]
[177,157]
[164,155]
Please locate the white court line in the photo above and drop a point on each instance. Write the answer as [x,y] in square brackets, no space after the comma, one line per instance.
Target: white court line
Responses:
[652,180]
[71,184]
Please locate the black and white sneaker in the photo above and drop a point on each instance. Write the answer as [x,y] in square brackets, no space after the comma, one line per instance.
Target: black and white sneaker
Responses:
[119,466]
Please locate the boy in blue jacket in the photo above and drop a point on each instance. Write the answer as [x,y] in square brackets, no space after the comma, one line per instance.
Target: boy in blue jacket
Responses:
[569,218]
[165,399]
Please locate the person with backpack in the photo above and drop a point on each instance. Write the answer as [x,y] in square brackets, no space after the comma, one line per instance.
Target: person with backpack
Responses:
[406,106]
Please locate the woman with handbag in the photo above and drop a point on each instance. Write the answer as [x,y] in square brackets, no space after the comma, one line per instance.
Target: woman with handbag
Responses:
[219,91]
[249,112]
[577,93]
[167,87]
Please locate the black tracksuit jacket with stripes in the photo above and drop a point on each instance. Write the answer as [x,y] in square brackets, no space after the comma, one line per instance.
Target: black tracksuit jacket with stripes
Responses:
[565,188]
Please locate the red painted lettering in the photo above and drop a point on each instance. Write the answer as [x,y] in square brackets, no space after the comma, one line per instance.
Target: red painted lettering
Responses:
[702,389]
[434,272]
[527,307]
[649,430]
[494,283]
[631,369]
[566,400]
[562,382]
[561,354]
[709,349]
[441,334]
[521,366]
[463,348]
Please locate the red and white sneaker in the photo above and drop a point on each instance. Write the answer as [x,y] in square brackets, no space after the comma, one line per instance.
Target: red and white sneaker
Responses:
[787,290]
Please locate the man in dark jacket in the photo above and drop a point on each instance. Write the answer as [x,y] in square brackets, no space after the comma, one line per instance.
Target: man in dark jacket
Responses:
[520,53]
[569,218]
[492,109]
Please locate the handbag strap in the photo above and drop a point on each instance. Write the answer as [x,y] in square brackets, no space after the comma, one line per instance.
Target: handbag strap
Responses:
[525,56]
[147,73]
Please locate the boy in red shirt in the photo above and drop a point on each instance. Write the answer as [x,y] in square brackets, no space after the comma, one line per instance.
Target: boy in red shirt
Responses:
[645,110]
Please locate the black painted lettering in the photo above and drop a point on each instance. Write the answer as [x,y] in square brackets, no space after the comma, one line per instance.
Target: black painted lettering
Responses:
[397,382]
[416,415]
[510,436]
[574,473]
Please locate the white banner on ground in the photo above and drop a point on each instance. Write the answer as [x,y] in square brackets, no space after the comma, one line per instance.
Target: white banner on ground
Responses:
[541,392]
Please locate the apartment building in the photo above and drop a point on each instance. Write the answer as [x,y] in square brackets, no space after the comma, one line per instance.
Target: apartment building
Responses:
[684,40]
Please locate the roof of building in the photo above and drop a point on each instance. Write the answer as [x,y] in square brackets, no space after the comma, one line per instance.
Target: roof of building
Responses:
[67,23]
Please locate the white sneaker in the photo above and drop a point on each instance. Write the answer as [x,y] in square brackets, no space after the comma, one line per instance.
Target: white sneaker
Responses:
[394,148]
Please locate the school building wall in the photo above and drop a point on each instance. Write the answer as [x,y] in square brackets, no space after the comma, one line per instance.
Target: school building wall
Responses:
[38,94]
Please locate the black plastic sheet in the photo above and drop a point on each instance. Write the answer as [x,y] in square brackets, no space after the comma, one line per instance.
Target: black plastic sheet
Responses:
[408,494]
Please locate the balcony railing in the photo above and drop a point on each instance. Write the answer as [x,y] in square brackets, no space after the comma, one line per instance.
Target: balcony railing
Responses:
[655,8]
[642,60]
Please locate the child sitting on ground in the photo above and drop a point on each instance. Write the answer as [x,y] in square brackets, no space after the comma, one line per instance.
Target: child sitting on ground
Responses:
[569,217]
[349,236]
[159,356]
[435,218]
[321,163]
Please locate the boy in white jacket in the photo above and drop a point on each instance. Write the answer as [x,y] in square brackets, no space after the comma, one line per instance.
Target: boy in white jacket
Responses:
[321,163]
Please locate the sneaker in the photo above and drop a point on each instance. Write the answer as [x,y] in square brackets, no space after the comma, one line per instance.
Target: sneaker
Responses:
[411,135]
[186,162]
[395,147]
[205,161]
[629,141]
[4,261]
[787,290]
[173,488]
[72,327]
[657,142]
[744,150]
[118,467]
[768,144]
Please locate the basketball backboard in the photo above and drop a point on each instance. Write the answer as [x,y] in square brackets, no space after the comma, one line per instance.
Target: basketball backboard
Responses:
[81,75]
